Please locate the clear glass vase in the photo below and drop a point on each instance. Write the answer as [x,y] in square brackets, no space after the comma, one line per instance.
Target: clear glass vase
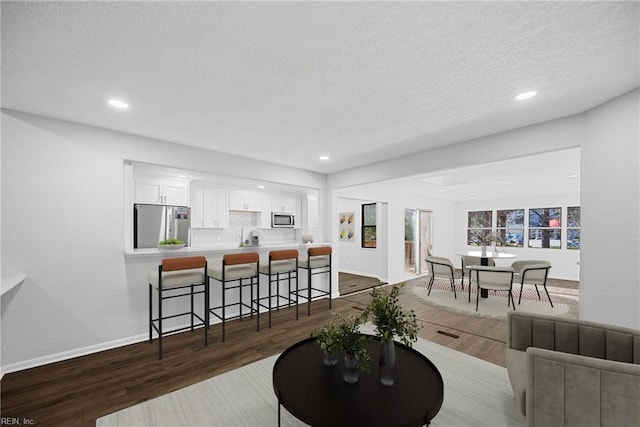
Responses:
[329,358]
[350,372]
[387,362]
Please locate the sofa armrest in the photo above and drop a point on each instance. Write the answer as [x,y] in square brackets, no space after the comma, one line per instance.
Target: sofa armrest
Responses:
[517,372]
[568,389]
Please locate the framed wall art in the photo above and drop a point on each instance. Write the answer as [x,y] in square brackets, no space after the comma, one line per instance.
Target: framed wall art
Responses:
[347,226]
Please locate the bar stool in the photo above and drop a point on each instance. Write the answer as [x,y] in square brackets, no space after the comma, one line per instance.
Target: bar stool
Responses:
[318,261]
[283,265]
[177,277]
[235,268]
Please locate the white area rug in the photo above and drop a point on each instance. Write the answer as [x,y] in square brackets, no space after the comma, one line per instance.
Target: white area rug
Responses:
[494,307]
[476,393]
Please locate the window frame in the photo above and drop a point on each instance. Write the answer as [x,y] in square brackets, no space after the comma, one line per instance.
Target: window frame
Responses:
[548,229]
[573,228]
[366,228]
[503,230]
[476,232]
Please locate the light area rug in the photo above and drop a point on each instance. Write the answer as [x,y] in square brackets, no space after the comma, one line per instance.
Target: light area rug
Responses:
[476,393]
[495,306]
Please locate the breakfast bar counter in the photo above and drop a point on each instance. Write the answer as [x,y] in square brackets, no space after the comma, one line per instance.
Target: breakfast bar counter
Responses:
[217,250]
[139,263]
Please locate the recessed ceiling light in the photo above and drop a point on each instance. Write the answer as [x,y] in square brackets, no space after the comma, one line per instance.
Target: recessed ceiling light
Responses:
[118,104]
[573,175]
[440,190]
[260,186]
[525,95]
[472,198]
[324,157]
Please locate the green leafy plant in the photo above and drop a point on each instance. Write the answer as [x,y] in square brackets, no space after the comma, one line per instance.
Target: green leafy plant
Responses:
[344,335]
[352,342]
[172,242]
[328,337]
[390,318]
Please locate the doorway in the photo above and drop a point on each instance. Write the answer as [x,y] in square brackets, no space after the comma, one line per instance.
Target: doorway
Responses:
[418,240]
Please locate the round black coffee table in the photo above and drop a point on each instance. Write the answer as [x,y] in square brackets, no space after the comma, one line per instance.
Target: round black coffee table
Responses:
[317,394]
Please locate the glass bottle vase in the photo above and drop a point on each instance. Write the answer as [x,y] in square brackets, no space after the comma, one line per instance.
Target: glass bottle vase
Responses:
[350,371]
[387,362]
[329,358]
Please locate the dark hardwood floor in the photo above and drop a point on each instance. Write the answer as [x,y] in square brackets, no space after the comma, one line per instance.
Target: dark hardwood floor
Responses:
[76,392]
[350,283]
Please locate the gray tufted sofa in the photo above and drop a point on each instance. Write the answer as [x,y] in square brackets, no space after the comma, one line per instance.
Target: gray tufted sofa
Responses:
[573,372]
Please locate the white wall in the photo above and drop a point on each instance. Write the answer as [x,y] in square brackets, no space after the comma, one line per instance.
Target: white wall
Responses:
[608,138]
[564,262]
[352,257]
[62,222]
[610,276]
[397,201]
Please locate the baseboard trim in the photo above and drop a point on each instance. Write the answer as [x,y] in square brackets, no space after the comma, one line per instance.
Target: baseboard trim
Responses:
[66,355]
[359,273]
[96,348]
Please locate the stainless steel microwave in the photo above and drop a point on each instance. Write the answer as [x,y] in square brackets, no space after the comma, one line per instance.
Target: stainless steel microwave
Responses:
[282,220]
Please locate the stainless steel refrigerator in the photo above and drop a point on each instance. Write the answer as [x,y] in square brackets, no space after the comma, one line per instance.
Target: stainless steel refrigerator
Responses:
[154,223]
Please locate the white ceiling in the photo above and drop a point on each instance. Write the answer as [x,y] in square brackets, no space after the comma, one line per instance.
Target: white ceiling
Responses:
[288,81]
[549,174]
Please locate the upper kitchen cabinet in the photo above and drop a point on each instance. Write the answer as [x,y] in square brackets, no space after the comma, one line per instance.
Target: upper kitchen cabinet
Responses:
[209,207]
[162,191]
[288,204]
[284,204]
[245,201]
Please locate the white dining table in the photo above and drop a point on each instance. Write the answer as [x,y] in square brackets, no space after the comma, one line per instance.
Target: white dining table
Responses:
[484,259]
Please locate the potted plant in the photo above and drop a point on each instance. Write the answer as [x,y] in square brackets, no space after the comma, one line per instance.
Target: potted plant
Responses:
[353,344]
[391,321]
[328,337]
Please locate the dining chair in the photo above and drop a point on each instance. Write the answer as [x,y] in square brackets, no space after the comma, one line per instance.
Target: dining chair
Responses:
[467,262]
[532,272]
[441,268]
[494,278]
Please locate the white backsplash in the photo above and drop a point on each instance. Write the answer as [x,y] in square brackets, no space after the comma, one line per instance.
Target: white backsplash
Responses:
[242,223]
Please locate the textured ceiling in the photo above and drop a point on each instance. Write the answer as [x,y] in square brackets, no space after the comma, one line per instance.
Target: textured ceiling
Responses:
[286,82]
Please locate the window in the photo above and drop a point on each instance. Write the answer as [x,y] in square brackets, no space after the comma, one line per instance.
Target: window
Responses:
[479,225]
[510,227]
[369,223]
[544,228]
[573,227]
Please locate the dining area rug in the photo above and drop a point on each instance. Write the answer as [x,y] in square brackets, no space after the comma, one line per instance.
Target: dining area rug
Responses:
[565,303]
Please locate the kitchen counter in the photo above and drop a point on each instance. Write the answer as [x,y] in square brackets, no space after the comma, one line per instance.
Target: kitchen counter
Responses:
[217,250]
[140,262]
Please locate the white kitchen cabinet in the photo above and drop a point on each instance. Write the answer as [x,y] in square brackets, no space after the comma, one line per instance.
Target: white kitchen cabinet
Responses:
[264,216]
[285,204]
[162,191]
[209,207]
[288,204]
[245,201]
[313,209]
[297,211]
